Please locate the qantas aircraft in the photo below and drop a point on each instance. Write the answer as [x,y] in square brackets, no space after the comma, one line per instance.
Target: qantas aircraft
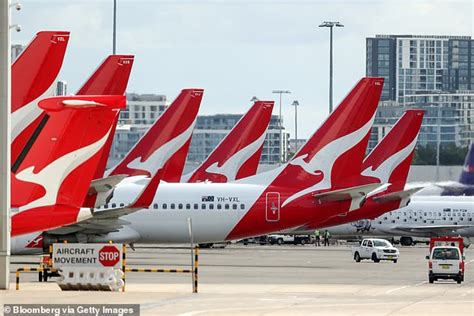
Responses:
[322,180]
[34,75]
[54,170]
[237,156]
[425,216]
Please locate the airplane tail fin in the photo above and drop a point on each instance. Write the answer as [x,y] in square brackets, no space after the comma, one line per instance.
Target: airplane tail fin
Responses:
[389,162]
[55,169]
[467,174]
[332,158]
[165,145]
[34,75]
[237,156]
[111,78]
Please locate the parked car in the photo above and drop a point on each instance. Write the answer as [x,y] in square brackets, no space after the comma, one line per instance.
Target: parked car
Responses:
[289,239]
[375,250]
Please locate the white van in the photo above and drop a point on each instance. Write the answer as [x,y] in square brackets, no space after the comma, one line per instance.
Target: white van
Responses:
[446,262]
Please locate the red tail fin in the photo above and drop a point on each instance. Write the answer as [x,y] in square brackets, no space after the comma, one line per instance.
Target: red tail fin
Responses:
[166,143]
[111,78]
[238,154]
[332,157]
[58,167]
[34,75]
[390,160]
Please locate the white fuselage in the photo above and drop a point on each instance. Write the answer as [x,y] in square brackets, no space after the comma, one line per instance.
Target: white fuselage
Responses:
[416,219]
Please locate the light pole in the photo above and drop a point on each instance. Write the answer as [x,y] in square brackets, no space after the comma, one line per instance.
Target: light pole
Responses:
[296,104]
[330,25]
[114,36]
[5,108]
[280,92]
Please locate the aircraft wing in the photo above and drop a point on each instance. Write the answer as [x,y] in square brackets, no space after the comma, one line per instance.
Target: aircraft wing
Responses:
[434,230]
[102,221]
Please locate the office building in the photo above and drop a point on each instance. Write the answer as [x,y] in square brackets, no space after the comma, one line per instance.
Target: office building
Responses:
[61,87]
[434,73]
[16,51]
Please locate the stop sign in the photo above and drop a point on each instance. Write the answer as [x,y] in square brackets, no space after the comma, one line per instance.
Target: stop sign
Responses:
[109,256]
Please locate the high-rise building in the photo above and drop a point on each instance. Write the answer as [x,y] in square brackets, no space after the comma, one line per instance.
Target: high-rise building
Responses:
[16,51]
[431,72]
[61,87]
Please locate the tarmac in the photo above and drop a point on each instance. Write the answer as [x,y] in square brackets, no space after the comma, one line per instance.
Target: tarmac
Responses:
[275,280]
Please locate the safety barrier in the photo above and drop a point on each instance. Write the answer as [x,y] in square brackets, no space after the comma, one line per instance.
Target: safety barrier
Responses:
[90,279]
[27,269]
[193,270]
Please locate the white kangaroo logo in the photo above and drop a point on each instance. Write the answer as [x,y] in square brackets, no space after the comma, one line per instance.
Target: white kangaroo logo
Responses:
[385,169]
[232,165]
[52,176]
[323,160]
[162,154]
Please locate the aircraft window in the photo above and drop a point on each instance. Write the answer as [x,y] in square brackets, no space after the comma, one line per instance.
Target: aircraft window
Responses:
[165,206]
[470,219]
[385,218]
[450,218]
[439,214]
[416,220]
[398,217]
[122,205]
[461,219]
[226,206]
[114,205]
[219,206]
[180,206]
[203,206]
[393,221]
[106,206]
[404,213]
[424,221]
[242,206]
[196,206]
[425,214]
[432,222]
[455,223]
[172,206]
[155,206]
[404,219]
[234,206]
[444,218]
[380,222]
[447,210]
[188,206]
[211,206]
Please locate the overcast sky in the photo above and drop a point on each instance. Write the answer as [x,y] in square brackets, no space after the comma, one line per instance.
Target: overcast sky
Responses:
[238,48]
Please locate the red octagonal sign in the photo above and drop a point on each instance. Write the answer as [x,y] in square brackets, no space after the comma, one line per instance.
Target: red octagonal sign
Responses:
[109,256]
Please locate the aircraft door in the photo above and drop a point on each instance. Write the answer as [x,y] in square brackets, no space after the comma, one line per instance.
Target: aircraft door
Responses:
[272,207]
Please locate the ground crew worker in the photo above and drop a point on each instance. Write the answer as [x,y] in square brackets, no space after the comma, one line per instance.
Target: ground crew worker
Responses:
[317,238]
[326,238]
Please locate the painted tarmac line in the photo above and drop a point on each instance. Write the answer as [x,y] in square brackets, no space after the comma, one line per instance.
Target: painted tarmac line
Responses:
[397,289]
[420,283]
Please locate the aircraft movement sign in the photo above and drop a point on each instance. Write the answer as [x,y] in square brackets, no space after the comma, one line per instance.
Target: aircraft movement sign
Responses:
[87,255]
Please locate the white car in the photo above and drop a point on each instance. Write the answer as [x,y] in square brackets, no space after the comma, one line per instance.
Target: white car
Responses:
[446,262]
[376,250]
